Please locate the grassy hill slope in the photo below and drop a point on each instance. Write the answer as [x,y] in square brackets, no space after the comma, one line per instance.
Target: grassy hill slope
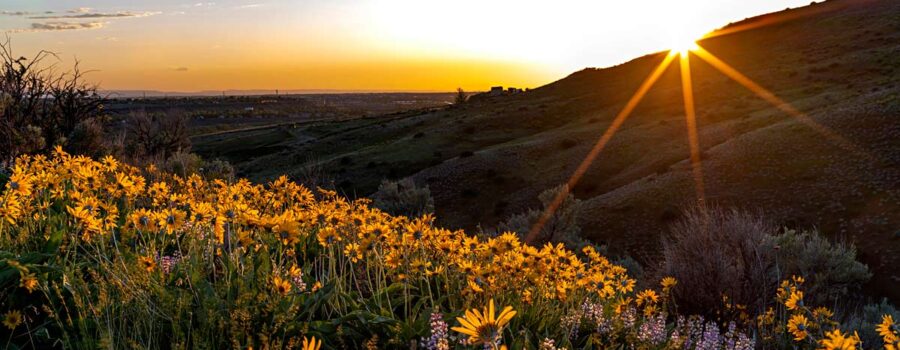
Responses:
[837,61]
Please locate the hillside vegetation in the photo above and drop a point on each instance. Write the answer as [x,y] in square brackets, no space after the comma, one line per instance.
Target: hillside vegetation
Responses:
[491,157]
[98,254]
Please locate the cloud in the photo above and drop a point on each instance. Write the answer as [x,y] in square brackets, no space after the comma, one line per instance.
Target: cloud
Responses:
[80,10]
[16,13]
[57,26]
[123,14]
[180,69]
[248,6]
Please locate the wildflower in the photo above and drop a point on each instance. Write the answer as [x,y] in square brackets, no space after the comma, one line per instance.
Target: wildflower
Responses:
[667,283]
[29,282]
[798,326]
[474,286]
[297,278]
[283,287]
[646,297]
[549,344]
[142,220]
[482,327]
[147,263]
[822,312]
[353,252]
[171,220]
[653,330]
[795,300]
[888,331]
[438,339]
[711,338]
[835,340]
[311,344]
[12,319]
[168,262]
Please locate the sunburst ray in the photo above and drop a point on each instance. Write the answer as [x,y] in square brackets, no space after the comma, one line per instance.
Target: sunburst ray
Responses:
[601,144]
[691,118]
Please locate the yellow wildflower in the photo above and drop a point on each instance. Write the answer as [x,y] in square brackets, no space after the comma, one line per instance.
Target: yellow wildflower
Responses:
[482,327]
[12,319]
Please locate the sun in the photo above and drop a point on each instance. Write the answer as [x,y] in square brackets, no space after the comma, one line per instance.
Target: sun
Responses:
[683,39]
[682,47]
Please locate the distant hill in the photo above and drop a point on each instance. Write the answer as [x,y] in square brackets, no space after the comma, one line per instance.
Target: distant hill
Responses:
[838,61]
[232,92]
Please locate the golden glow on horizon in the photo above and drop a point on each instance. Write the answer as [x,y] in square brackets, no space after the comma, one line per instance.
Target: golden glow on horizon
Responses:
[366,44]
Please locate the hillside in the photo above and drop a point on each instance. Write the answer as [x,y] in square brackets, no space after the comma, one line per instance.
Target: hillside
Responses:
[837,61]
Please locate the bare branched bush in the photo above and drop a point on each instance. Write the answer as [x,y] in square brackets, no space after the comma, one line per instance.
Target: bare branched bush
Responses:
[714,252]
[313,174]
[561,227]
[157,136]
[41,108]
[403,198]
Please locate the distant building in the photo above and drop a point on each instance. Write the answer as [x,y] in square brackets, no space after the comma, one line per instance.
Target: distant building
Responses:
[513,90]
[496,90]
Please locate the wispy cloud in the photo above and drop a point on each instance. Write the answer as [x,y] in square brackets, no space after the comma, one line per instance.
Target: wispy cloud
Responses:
[80,10]
[59,26]
[16,13]
[248,6]
[124,14]
[180,69]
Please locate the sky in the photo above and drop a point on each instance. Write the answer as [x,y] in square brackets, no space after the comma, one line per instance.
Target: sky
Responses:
[355,45]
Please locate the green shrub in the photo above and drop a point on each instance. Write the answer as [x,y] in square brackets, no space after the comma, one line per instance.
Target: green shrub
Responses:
[403,197]
[866,318]
[561,227]
[830,269]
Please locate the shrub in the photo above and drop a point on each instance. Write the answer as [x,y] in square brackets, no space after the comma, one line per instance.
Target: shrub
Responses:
[403,198]
[714,252]
[88,138]
[157,136]
[830,269]
[866,318]
[41,108]
[461,97]
[561,227]
[184,164]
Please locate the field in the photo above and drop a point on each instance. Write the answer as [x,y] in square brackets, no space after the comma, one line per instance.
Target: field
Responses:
[739,194]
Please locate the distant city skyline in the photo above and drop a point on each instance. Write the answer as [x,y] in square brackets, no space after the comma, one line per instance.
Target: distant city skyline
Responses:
[364,45]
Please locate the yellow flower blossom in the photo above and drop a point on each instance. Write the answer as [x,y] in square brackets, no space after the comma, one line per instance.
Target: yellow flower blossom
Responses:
[482,326]
[12,319]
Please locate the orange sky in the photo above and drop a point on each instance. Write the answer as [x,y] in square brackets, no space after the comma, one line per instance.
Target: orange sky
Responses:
[175,45]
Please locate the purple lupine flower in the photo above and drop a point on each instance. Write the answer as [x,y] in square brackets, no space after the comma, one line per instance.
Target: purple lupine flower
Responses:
[438,339]
[653,330]
[711,339]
